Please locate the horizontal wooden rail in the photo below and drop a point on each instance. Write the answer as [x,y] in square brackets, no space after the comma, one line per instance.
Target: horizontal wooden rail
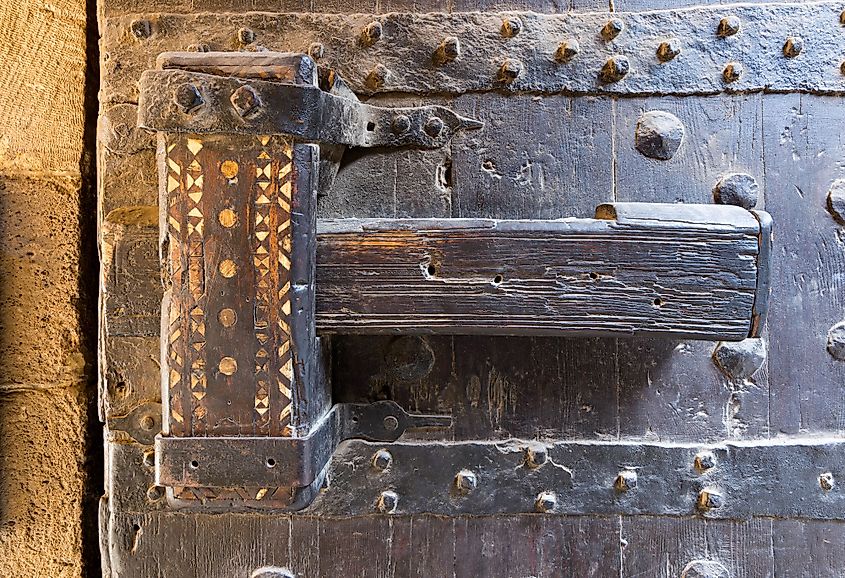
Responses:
[689,271]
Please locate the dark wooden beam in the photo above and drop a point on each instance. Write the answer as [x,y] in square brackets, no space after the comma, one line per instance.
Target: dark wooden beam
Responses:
[687,271]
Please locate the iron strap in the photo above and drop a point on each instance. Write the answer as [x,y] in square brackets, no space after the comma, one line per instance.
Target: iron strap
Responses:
[699,50]
[306,112]
[797,478]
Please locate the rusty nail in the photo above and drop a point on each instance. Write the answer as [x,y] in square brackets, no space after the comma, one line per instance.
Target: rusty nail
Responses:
[732,72]
[536,456]
[668,49]
[141,28]
[511,27]
[382,459]
[793,46]
[245,100]
[378,76]
[826,481]
[567,50]
[316,50]
[625,480]
[704,460]
[401,124]
[246,36]
[709,499]
[449,50]
[466,481]
[372,33]
[155,493]
[387,502]
[728,26]
[612,28]
[510,70]
[546,502]
[187,97]
[614,69]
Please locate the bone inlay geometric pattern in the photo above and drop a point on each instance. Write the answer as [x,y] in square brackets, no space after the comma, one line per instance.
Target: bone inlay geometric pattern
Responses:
[229,246]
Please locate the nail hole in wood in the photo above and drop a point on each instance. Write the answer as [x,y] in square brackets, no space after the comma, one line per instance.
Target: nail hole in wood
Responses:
[431,269]
[497,279]
[594,275]
[658,302]
[194,464]
[371,126]
[271,463]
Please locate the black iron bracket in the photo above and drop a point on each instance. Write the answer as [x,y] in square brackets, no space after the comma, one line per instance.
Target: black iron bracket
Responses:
[225,462]
[189,99]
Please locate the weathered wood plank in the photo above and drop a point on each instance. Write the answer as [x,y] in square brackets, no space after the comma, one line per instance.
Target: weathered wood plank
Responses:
[494,387]
[808,292]
[671,389]
[664,547]
[654,270]
[534,158]
[805,549]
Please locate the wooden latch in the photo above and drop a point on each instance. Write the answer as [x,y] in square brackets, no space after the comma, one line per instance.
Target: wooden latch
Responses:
[252,276]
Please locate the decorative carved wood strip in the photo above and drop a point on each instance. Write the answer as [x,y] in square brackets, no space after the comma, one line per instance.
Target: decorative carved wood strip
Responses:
[229,314]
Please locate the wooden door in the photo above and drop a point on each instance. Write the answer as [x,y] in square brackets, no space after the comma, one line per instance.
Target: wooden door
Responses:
[611,446]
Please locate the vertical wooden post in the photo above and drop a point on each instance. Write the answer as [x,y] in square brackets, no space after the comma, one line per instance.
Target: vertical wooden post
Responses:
[238,226]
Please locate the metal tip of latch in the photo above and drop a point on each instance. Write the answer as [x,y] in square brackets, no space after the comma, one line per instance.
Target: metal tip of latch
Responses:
[469,123]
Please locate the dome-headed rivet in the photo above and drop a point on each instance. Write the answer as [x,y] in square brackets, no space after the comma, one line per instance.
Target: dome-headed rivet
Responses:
[728,26]
[826,481]
[316,50]
[246,36]
[433,127]
[536,455]
[704,460]
[567,50]
[141,29]
[382,459]
[466,481]
[836,341]
[371,33]
[614,69]
[511,27]
[387,502]
[738,189]
[449,50]
[612,28]
[836,201]
[709,499]
[793,46]
[626,480]
[545,502]
[732,72]
[668,49]
[510,70]
[401,124]
[377,76]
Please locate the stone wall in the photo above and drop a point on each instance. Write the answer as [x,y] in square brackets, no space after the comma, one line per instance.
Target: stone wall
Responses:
[47,257]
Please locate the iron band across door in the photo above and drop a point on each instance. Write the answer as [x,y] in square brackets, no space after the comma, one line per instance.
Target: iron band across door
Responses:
[686,51]
[252,276]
